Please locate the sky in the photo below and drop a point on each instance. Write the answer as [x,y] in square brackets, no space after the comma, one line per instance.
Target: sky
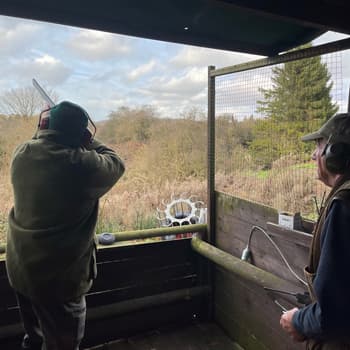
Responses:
[103,71]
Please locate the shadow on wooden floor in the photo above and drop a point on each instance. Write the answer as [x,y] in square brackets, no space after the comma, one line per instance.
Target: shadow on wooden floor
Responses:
[201,336]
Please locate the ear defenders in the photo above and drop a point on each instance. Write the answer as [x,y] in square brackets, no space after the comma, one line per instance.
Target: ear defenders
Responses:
[337,157]
[44,119]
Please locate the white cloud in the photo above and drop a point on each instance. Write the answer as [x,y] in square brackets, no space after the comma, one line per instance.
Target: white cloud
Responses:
[329,37]
[46,59]
[190,56]
[45,68]
[94,46]
[171,108]
[107,104]
[16,37]
[103,71]
[190,82]
[141,70]
[200,98]
[345,57]
[171,94]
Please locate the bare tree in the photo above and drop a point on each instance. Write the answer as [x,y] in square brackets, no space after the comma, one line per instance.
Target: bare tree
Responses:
[193,113]
[23,102]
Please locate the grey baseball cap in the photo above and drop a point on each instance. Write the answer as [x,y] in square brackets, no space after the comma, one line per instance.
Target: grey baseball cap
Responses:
[335,130]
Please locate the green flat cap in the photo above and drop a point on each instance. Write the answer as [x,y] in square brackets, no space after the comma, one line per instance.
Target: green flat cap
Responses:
[335,130]
[70,120]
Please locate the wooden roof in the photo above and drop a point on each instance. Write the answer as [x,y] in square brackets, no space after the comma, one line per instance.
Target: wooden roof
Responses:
[251,26]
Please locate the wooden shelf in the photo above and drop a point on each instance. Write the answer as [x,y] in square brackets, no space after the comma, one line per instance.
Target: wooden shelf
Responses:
[295,236]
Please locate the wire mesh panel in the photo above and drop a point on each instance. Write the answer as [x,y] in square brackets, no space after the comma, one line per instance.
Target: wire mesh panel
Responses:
[260,116]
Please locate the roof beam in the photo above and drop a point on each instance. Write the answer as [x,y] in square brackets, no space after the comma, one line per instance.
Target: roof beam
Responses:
[323,14]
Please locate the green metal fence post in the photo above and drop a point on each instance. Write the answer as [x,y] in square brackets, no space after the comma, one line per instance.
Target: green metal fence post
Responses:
[211,182]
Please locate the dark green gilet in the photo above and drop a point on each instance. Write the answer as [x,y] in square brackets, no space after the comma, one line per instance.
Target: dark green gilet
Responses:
[315,252]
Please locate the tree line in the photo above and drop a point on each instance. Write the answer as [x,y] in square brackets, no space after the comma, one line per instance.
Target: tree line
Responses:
[298,101]
[164,155]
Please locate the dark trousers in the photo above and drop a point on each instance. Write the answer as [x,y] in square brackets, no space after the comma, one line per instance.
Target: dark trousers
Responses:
[332,345]
[52,325]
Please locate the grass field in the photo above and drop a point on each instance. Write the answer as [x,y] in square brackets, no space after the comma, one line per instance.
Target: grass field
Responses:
[172,161]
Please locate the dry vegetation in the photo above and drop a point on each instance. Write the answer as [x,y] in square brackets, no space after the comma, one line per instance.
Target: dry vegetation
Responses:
[165,157]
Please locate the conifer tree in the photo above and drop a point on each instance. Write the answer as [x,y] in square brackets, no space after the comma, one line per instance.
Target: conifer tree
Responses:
[300,92]
[298,102]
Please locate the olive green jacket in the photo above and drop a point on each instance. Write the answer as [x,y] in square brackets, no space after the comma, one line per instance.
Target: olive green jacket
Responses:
[51,241]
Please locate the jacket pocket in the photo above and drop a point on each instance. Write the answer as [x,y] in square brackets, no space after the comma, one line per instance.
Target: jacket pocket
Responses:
[310,276]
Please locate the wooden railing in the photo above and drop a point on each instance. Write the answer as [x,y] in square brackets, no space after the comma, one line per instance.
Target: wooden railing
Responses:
[139,286]
[149,233]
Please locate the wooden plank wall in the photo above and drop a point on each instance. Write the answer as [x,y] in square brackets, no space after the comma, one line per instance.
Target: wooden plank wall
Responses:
[247,312]
[128,272]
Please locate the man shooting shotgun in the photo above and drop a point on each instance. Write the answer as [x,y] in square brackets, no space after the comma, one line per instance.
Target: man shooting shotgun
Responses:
[57,179]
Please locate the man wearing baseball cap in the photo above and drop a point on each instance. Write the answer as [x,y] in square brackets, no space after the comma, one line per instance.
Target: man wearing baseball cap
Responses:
[325,323]
[57,179]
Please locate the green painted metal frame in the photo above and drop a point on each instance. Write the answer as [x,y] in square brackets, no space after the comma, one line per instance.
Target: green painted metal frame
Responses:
[335,46]
[235,265]
[150,233]
[339,45]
